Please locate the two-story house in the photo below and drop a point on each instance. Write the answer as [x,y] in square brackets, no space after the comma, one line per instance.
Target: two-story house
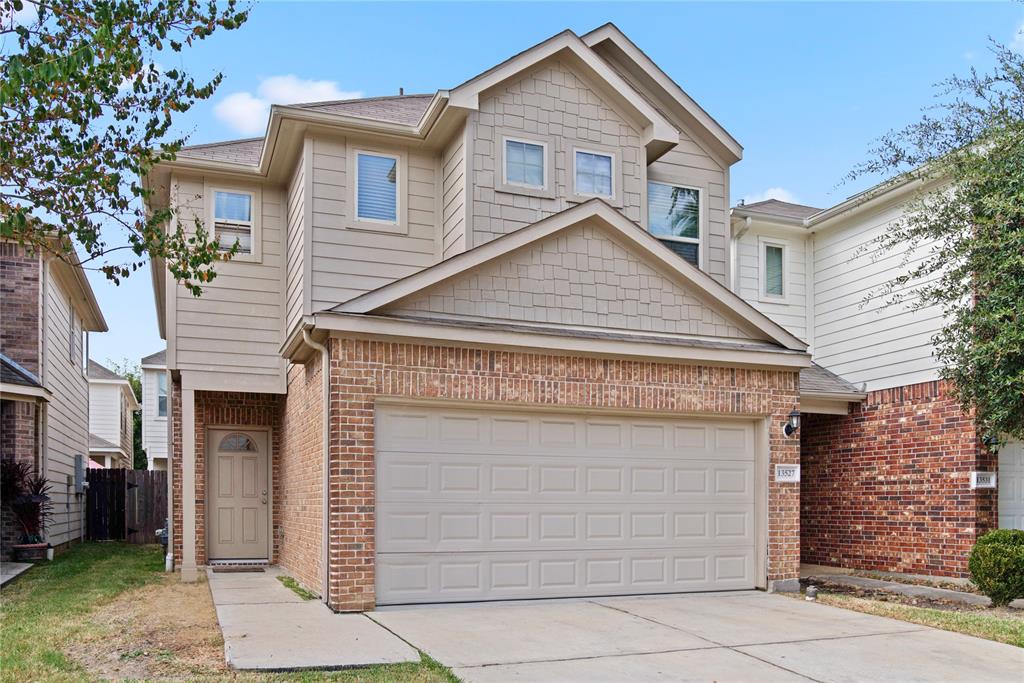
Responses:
[47,310]
[494,342]
[891,484]
[112,407]
[155,405]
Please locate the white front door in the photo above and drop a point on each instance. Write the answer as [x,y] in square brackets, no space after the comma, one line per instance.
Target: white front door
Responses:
[492,504]
[238,495]
[1011,486]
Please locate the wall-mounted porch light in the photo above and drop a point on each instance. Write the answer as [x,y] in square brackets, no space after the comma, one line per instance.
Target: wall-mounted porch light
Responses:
[792,424]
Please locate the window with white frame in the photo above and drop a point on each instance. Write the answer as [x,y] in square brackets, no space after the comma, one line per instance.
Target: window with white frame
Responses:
[673,216]
[524,163]
[233,220]
[376,187]
[773,270]
[593,172]
[161,395]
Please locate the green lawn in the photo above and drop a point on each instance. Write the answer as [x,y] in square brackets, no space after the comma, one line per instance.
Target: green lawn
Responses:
[1001,626]
[46,611]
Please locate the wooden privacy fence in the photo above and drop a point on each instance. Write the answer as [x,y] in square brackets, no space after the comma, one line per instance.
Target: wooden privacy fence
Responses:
[125,505]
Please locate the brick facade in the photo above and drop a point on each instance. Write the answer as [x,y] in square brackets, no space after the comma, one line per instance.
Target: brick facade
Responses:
[300,475]
[18,443]
[19,305]
[362,371]
[887,487]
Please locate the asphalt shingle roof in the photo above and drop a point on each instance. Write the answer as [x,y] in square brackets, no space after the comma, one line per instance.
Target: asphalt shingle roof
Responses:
[158,358]
[97,371]
[774,207]
[12,373]
[817,379]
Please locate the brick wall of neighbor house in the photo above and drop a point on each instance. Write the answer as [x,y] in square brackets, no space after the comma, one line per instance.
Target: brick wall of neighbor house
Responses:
[19,305]
[888,486]
[361,371]
[300,475]
[17,444]
[174,450]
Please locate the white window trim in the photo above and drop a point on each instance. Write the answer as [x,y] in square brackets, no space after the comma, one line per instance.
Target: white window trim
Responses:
[255,233]
[156,398]
[702,224]
[398,225]
[613,197]
[505,139]
[762,270]
[501,172]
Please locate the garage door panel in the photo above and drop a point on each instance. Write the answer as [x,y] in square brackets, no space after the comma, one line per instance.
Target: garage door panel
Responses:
[1010,480]
[485,504]
[476,576]
[410,527]
[407,476]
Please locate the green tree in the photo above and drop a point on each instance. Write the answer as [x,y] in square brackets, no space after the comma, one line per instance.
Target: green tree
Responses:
[133,373]
[966,220]
[86,110]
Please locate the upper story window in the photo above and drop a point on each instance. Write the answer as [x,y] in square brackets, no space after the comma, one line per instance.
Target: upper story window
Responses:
[772,269]
[524,163]
[161,395]
[233,220]
[673,216]
[377,188]
[594,172]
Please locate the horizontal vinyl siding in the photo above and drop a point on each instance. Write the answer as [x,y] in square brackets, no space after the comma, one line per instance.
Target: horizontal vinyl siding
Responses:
[791,314]
[858,334]
[295,241]
[105,411]
[688,164]
[453,196]
[237,324]
[67,416]
[347,262]
[154,428]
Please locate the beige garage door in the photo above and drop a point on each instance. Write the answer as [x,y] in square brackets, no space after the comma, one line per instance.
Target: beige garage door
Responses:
[488,505]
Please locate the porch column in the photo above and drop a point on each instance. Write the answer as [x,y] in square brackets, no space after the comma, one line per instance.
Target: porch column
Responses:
[189,572]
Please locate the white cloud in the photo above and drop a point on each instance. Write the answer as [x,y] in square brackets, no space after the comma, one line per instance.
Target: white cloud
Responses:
[782,194]
[1017,43]
[969,55]
[247,112]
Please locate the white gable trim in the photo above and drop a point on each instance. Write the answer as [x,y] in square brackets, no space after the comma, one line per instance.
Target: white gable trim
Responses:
[596,209]
[659,130]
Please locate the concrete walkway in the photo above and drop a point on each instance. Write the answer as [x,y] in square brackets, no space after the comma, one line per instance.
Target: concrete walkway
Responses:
[744,636]
[9,571]
[266,626]
[908,589]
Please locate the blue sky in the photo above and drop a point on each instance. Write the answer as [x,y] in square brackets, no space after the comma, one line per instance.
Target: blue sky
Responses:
[804,87]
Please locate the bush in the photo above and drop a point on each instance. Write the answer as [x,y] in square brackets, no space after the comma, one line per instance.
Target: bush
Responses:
[997,565]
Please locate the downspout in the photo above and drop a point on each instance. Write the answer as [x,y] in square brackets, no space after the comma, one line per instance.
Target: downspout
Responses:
[325,374]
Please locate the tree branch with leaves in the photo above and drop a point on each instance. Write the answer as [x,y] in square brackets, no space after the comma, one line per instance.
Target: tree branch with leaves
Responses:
[86,111]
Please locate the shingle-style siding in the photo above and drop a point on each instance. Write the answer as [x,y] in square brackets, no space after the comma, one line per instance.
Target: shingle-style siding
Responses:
[689,165]
[551,101]
[453,195]
[295,246]
[792,312]
[300,475]
[237,325]
[887,487]
[67,414]
[347,261]
[580,276]
[858,334]
[363,371]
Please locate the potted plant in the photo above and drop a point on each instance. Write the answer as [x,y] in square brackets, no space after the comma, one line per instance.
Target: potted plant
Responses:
[28,497]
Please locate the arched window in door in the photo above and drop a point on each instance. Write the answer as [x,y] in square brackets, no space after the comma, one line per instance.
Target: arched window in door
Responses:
[237,443]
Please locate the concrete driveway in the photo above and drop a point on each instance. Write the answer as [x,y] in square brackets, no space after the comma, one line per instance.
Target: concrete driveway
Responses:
[748,636]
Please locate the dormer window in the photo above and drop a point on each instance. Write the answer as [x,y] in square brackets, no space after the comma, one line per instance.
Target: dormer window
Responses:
[673,216]
[524,163]
[594,173]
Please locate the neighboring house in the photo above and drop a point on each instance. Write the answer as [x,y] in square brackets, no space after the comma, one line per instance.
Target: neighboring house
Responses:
[155,404]
[47,309]
[887,486]
[112,407]
[541,380]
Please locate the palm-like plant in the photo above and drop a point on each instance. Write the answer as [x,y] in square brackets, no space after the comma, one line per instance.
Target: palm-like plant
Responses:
[28,496]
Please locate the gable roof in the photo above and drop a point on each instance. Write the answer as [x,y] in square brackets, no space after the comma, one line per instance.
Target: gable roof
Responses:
[158,359]
[98,443]
[656,253]
[97,371]
[818,381]
[775,207]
